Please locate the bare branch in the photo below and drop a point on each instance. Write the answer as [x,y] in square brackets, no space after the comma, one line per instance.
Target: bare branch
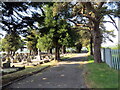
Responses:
[42,11]
[89,17]
[106,21]
[113,22]
[77,24]
[72,21]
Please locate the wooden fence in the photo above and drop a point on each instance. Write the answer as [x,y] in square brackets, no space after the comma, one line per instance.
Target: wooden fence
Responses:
[111,57]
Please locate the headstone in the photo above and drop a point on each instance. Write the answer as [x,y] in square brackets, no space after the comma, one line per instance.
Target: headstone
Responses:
[6,65]
[11,59]
[28,59]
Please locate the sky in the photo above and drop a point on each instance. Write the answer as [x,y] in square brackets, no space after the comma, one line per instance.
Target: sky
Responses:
[110,26]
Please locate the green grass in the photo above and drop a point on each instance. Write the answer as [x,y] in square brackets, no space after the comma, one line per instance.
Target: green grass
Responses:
[90,59]
[29,70]
[100,75]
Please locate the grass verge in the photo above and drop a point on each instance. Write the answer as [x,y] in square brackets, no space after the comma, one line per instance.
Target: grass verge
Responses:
[100,75]
[28,71]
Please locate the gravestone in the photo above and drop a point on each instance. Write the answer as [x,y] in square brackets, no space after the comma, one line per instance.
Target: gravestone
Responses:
[4,58]
[28,59]
[11,59]
[6,65]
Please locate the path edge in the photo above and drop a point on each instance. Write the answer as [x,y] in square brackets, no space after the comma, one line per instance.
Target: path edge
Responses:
[24,76]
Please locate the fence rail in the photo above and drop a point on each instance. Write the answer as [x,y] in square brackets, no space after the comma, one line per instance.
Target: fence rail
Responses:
[111,57]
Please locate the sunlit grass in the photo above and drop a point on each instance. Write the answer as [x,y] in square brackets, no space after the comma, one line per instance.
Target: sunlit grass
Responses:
[100,75]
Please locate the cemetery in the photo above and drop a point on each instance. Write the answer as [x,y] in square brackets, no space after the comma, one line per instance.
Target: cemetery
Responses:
[20,61]
[68,44]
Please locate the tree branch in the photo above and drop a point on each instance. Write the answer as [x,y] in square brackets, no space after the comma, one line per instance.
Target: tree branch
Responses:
[100,5]
[77,24]
[113,22]
[89,17]
[42,11]
[106,21]
[89,6]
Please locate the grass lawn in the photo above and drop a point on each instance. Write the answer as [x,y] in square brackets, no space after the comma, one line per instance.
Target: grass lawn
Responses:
[29,70]
[100,75]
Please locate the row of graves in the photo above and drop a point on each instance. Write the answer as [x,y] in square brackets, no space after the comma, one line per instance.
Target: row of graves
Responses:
[20,61]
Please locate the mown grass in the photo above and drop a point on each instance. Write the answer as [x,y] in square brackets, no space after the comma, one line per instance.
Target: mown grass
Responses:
[29,70]
[100,75]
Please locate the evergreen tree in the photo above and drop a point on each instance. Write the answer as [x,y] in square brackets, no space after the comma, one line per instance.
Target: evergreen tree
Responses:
[11,43]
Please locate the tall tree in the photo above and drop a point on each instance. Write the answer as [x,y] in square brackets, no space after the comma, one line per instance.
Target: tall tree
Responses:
[31,40]
[94,12]
[56,32]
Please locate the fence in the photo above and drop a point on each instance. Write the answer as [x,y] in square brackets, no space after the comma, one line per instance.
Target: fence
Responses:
[111,57]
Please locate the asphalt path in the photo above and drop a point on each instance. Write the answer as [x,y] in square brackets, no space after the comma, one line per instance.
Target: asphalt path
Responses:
[66,74]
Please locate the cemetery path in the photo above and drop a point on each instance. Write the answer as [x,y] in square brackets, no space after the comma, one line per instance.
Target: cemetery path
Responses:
[66,74]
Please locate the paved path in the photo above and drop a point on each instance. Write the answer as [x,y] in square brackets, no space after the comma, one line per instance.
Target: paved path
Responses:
[64,75]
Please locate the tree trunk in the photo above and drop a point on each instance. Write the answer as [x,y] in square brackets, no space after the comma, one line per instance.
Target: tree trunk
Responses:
[79,47]
[91,46]
[51,51]
[10,52]
[13,53]
[57,55]
[63,49]
[30,52]
[97,43]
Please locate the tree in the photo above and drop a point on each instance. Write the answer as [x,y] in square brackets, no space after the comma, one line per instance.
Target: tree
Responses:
[57,32]
[11,43]
[86,35]
[14,21]
[31,41]
[94,12]
[44,43]
[0,44]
